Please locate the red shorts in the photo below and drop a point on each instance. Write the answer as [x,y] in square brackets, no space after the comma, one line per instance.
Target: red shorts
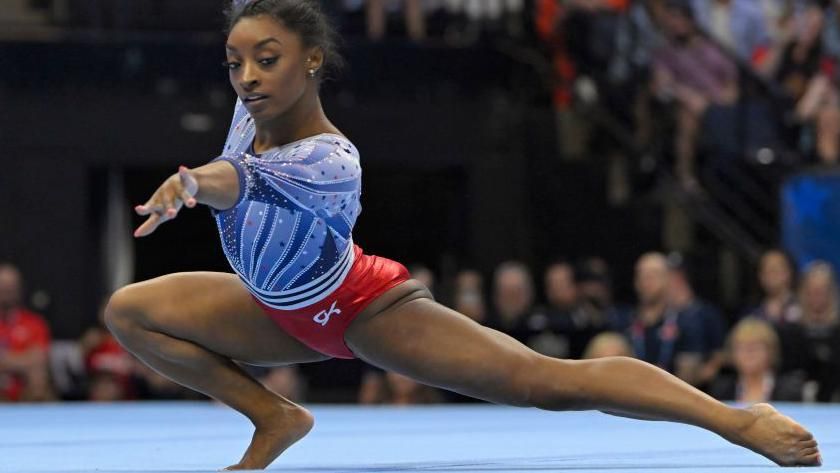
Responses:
[321,326]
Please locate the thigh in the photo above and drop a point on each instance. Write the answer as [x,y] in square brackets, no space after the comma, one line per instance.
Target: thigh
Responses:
[213,310]
[440,347]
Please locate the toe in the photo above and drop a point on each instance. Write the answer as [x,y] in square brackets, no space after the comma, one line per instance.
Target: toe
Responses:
[808,443]
[813,459]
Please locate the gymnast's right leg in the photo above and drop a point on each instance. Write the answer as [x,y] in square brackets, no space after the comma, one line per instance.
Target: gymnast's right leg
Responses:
[190,327]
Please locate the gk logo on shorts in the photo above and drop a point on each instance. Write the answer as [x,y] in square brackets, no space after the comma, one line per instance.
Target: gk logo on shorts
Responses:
[323,317]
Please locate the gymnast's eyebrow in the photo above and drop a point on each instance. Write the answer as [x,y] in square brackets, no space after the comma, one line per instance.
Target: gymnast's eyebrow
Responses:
[258,45]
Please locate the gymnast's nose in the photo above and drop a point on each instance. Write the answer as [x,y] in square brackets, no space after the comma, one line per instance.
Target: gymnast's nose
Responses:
[249,80]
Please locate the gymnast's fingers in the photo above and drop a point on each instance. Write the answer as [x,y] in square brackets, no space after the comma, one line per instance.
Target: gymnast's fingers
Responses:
[189,185]
[170,204]
[144,209]
[153,205]
[149,226]
[188,200]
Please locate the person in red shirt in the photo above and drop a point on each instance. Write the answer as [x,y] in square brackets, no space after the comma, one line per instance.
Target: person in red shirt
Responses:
[24,344]
[109,367]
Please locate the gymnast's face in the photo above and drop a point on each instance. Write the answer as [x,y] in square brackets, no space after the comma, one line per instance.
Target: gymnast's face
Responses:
[268,65]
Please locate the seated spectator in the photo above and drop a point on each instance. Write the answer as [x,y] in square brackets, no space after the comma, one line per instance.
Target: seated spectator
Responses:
[799,64]
[596,296]
[821,328]
[696,75]
[828,79]
[651,342]
[513,300]
[776,15]
[608,344]
[753,347]
[563,26]
[109,367]
[704,319]
[567,317]
[561,290]
[776,277]
[24,344]
[738,25]
[515,314]
[659,334]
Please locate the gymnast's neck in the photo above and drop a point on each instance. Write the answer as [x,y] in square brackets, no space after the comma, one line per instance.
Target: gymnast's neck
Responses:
[304,118]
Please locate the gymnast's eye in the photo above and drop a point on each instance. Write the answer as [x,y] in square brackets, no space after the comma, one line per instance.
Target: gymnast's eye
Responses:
[268,61]
[230,65]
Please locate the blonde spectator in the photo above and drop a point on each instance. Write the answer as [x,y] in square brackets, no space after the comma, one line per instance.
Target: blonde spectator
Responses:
[608,344]
[753,351]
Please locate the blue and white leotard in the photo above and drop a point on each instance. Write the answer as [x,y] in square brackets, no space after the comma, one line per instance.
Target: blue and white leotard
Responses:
[289,236]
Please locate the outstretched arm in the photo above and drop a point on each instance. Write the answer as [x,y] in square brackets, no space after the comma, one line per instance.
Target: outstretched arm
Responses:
[215,184]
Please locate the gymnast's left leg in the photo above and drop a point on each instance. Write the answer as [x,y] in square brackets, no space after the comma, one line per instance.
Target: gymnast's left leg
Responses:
[407,332]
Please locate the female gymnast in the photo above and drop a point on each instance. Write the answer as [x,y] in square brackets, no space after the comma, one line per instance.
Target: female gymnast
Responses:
[285,195]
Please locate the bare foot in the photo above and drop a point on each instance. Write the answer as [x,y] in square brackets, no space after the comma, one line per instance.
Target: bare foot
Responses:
[778,438]
[273,435]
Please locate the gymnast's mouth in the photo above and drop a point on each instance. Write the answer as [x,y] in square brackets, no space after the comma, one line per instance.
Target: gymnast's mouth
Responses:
[254,98]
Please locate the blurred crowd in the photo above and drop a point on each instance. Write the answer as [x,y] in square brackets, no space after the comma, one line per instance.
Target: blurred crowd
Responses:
[785,346]
[726,79]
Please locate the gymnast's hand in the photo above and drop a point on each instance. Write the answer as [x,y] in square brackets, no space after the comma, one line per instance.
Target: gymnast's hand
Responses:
[179,190]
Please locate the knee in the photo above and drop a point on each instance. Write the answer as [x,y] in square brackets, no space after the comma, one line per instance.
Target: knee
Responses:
[551,385]
[126,310]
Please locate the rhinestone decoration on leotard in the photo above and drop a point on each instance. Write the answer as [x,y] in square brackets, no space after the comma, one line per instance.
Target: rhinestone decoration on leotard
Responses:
[289,237]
